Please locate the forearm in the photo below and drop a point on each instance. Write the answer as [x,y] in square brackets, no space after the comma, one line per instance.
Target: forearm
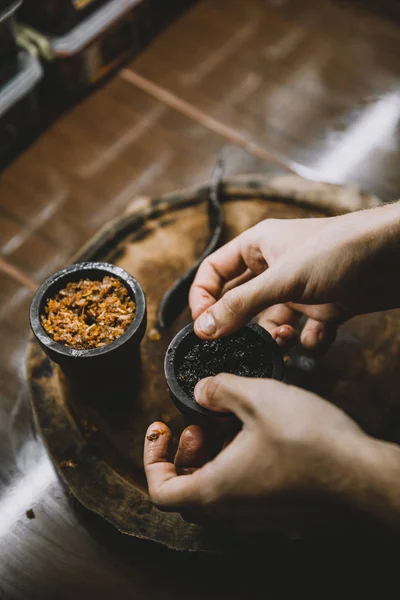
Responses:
[371,239]
[384,239]
[372,486]
[381,228]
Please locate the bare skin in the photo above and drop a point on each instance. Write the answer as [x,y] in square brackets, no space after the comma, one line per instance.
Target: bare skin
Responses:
[326,269]
[293,446]
[298,460]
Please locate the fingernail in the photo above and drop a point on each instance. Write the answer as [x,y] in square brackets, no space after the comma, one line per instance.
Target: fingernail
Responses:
[199,387]
[206,323]
[321,336]
[279,340]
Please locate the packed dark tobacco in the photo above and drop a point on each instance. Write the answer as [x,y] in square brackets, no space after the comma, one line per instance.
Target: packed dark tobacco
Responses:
[243,353]
[89,314]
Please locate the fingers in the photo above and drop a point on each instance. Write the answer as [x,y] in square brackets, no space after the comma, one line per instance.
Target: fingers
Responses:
[214,272]
[167,490]
[157,447]
[280,320]
[239,305]
[318,336]
[285,336]
[226,393]
[243,278]
[191,453]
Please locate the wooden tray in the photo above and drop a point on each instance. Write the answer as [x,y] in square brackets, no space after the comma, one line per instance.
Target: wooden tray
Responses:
[98,452]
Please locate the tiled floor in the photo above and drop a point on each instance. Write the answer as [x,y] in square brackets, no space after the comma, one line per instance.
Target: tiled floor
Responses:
[312,85]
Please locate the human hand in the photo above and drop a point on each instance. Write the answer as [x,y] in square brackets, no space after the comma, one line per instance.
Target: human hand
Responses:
[328,269]
[293,464]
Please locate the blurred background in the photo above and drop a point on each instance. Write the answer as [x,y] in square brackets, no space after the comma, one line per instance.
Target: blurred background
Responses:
[105,101]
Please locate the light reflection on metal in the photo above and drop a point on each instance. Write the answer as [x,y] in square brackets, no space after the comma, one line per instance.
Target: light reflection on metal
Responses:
[372,130]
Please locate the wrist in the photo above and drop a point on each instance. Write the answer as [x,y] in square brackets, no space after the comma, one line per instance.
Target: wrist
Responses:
[372,481]
[382,226]
[372,242]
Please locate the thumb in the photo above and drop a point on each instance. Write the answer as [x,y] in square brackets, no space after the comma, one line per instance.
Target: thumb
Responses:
[226,393]
[239,305]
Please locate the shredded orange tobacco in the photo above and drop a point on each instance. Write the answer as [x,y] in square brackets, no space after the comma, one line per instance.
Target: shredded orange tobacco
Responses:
[89,314]
[154,335]
[155,434]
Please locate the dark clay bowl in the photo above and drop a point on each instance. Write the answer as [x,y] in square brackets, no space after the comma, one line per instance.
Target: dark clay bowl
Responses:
[183,342]
[118,352]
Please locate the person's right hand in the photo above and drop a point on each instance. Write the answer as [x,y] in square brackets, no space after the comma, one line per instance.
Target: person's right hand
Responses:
[297,462]
[328,269]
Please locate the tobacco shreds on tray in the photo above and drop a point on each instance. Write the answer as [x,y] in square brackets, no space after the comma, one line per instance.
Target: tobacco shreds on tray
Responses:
[89,314]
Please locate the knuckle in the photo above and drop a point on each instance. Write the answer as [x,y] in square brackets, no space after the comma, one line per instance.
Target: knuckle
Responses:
[162,501]
[256,260]
[157,495]
[213,387]
[233,303]
[157,499]
[207,262]
[264,228]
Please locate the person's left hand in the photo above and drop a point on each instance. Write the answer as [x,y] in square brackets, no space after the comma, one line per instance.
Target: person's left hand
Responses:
[292,465]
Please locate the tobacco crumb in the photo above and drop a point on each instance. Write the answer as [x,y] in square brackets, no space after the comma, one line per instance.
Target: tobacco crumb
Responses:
[67,464]
[243,353]
[155,434]
[30,514]
[89,314]
[154,335]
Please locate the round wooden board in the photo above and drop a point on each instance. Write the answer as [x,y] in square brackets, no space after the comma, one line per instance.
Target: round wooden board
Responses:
[98,451]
